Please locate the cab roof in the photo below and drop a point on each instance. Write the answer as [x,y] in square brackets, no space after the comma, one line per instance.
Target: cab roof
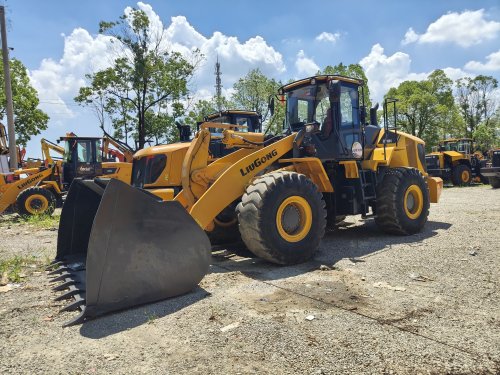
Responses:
[319,79]
[231,112]
[455,140]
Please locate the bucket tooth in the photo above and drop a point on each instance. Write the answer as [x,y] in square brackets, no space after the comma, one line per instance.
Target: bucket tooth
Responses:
[63,286]
[70,293]
[75,305]
[53,264]
[62,277]
[76,320]
[59,271]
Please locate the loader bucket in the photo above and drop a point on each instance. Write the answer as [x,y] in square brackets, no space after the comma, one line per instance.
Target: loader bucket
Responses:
[119,246]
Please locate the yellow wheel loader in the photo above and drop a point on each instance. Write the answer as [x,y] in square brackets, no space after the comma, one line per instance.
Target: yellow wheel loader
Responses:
[491,170]
[36,191]
[454,160]
[121,245]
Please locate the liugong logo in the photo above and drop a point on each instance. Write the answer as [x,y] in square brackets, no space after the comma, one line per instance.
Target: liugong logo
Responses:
[258,162]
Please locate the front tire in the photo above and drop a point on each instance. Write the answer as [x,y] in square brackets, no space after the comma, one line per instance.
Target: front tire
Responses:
[495,182]
[282,217]
[36,201]
[461,175]
[402,202]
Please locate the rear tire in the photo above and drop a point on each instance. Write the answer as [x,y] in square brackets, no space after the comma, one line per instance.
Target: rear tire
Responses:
[461,175]
[36,201]
[402,202]
[282,217]
[495,182]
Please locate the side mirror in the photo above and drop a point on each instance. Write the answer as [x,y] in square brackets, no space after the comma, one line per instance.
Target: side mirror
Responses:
[373,115]
[271,105]
[334,89]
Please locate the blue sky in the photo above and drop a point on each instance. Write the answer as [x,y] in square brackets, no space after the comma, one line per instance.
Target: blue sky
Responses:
[393,40]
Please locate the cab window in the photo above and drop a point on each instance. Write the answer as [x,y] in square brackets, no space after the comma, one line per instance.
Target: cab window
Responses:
[84,151]
[245,121]
[349,106]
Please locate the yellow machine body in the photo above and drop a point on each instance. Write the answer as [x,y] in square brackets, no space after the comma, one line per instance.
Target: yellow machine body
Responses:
[278,192]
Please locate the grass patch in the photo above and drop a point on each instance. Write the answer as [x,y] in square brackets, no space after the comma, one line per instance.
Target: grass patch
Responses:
[42,221]
[151,318]
[11,269]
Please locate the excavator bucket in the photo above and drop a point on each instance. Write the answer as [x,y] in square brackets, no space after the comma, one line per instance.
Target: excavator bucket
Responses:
[119,246]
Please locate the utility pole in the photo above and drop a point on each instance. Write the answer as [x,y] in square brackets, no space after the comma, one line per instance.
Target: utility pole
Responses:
[8,92]
[218,85]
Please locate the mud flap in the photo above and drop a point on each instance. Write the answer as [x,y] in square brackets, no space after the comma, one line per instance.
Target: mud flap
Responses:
[119,246]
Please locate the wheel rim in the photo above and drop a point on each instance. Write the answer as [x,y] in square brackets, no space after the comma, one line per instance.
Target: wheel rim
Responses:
[36,204]
[465,176]
[226,218]
[294,218]
[413,202]
[224,222]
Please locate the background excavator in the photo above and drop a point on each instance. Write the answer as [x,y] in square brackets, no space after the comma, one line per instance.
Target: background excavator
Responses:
[121,245]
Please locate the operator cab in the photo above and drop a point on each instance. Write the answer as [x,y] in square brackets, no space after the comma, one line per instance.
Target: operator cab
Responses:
[82,158]
[251,119]
[463,145]
[329,112]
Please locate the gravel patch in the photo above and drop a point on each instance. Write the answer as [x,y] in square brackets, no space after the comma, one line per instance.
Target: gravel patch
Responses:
[368,303]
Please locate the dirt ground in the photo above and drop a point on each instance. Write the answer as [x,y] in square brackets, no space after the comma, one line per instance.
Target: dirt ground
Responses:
[368,303]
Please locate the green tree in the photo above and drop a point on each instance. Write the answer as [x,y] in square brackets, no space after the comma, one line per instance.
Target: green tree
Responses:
[144,89]
[352,71]
[475,97]
[426,108]
[253,92]
[28,118]
[487,135]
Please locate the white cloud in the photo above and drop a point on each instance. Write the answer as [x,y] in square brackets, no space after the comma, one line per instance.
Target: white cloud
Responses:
[328,37]
[58,81]
[465,29]
[455,73]
[410,37]
[305,65]
[492,63]
[384,72]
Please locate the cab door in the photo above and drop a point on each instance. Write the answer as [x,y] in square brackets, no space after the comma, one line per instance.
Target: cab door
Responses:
[82,159]
[340,133]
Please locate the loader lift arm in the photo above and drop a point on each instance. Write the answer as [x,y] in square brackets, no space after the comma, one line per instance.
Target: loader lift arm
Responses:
[46,147]
[205,201]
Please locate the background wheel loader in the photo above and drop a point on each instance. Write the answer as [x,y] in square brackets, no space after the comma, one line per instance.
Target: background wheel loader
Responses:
[122,245]
[38,190]
[454,160]
[492,168]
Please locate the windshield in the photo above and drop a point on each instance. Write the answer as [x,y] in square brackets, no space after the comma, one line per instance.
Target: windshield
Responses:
[449,146]
[83,150]
[307,104]
[311,103]
[464,146]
